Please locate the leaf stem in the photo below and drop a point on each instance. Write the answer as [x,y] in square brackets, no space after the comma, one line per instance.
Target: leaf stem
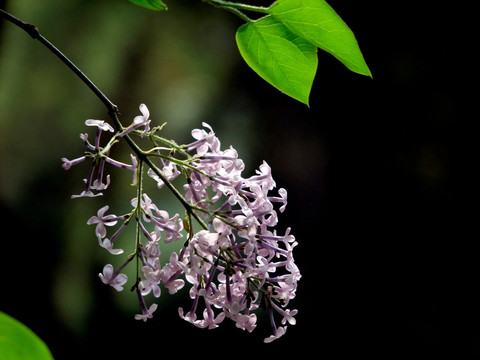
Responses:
[238,6]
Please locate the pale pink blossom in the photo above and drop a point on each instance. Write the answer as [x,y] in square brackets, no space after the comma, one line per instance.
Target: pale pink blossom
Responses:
[233,263]
[112,278]
[107,244]
[147,314]
[67,164]
[101,220]
[278,333]
[101,124]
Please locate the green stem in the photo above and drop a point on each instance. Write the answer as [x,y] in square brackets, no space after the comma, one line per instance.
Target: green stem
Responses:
[138,214]
[183,163]
[172,144]
[143,157]
[238,6]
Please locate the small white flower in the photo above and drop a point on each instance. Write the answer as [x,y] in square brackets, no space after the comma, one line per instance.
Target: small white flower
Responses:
[67,164]
[107,244]
[148,314]
[109,277]
[101,124]
[101,221]
[143,120]
[278,333]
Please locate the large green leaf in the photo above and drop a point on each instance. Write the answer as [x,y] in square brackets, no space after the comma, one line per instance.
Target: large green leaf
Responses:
[150,4]
[282,58]
[317,22]
[19,342]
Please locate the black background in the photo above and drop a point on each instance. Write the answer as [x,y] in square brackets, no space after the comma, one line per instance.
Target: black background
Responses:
[380,179]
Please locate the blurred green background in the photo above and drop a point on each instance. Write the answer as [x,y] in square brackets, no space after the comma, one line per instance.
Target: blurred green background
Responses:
[378,174]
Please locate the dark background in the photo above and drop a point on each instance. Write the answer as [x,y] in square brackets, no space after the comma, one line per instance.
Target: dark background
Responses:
[379,175]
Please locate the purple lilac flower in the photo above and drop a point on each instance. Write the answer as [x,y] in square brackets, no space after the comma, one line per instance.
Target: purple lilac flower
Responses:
[139,121]
[67,164]
[169,171]
[101,220]
[236,262]
[100,124]
[146,313]
[113,278]
[95,178]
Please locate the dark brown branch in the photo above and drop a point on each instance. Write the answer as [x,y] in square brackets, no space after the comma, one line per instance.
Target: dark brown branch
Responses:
[32,30]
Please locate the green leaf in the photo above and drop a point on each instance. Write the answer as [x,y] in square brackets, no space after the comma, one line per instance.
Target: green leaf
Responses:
[18,342]
[282,58]
[317,22]
[150,4]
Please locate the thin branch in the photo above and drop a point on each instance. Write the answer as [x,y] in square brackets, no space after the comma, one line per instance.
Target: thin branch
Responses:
[33,31]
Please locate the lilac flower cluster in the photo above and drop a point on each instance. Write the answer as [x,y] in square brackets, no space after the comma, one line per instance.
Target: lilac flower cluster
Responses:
[235,264]
[238,259]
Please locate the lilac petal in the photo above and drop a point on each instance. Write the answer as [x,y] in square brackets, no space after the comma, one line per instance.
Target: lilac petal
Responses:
[101,124]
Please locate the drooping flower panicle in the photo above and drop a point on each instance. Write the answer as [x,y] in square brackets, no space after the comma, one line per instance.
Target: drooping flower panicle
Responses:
[235,264]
